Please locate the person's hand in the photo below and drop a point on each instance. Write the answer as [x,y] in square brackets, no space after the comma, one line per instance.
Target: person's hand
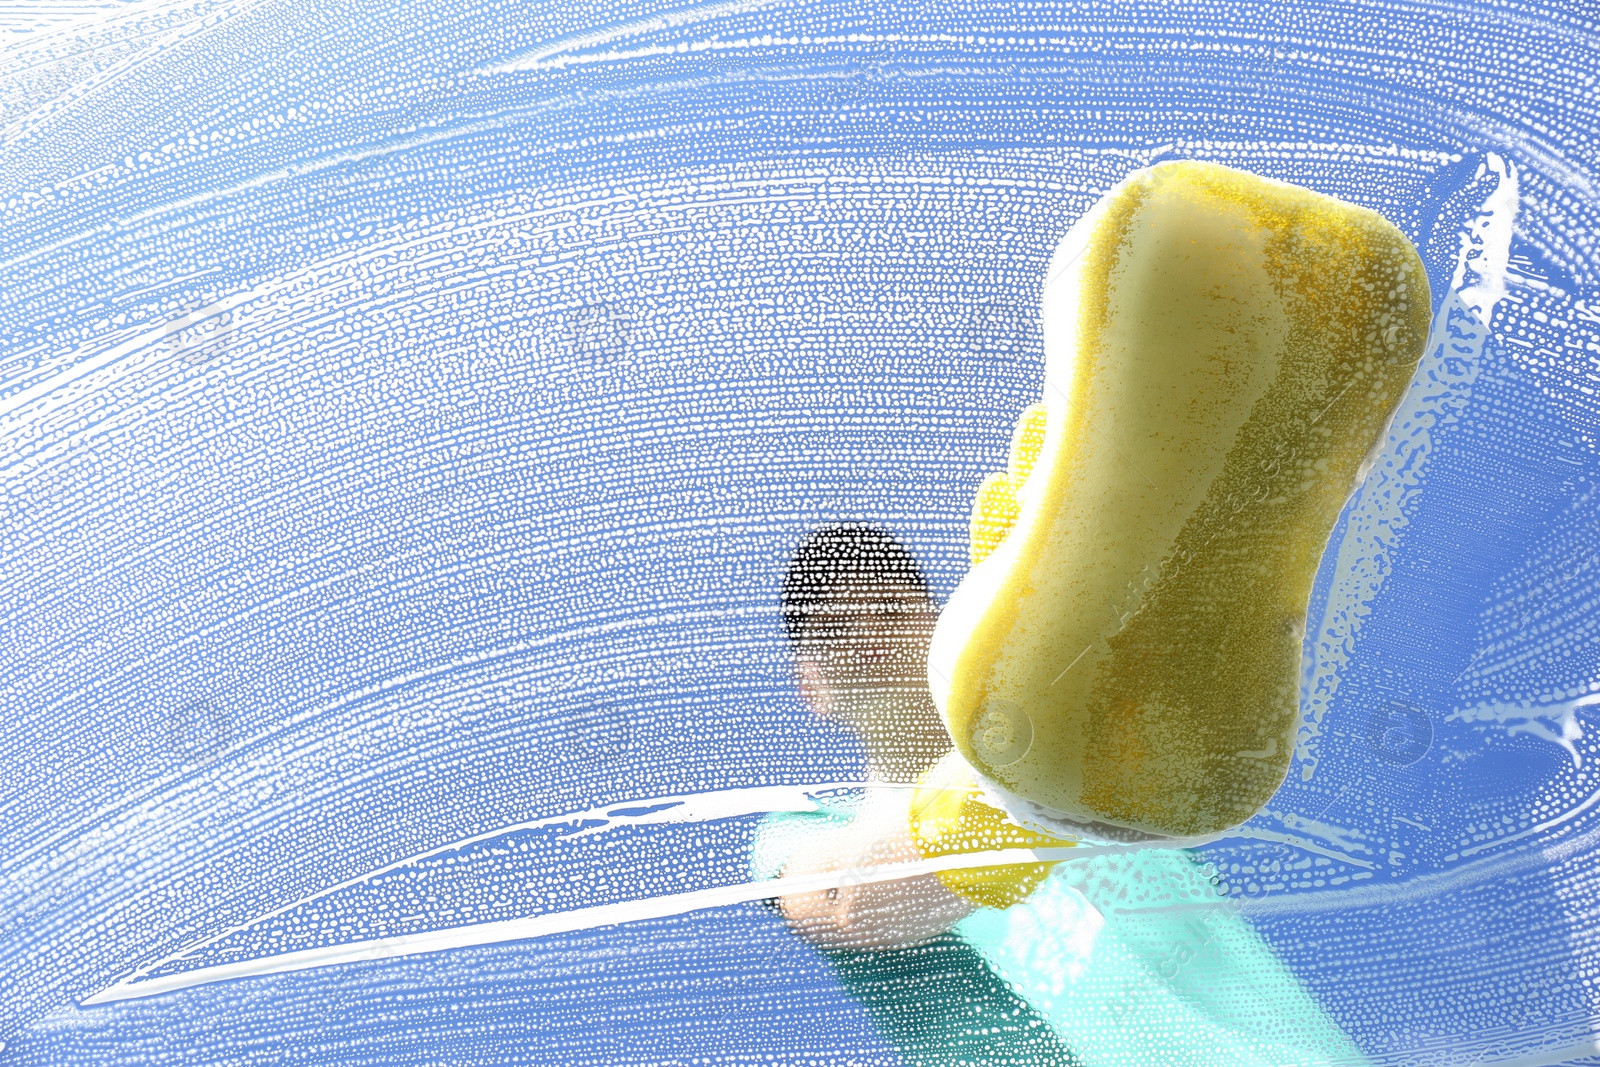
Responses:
[870,915]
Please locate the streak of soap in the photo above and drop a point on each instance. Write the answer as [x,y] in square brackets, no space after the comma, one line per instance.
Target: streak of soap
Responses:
[1374,524]
[1556,723]
[196,964]
[579,48]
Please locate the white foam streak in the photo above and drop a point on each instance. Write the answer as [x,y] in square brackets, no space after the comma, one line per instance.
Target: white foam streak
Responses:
[562,52]
[132,988]
[1483,255]
[1438,395]
[1549,1057]
[688,807]
[1556,723]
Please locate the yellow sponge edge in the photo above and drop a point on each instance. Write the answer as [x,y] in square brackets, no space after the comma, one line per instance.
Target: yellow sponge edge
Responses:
[997,506]
[1223,354]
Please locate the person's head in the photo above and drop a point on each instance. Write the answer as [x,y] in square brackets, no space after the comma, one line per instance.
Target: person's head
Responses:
[859,618]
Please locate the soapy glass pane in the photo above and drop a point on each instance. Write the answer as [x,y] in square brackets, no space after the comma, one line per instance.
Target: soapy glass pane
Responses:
[408,415]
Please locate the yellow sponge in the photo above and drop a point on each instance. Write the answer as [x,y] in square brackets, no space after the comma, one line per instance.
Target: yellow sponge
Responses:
[995,510]
[1223,353]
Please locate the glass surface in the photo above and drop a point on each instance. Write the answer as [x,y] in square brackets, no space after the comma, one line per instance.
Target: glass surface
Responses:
[407,413]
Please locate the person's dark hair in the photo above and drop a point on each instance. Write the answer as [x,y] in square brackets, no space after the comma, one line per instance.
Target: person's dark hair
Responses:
[839,558]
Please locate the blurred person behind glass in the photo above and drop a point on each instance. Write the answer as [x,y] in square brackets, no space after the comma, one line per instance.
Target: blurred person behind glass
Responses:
[1109,958]
[859,617]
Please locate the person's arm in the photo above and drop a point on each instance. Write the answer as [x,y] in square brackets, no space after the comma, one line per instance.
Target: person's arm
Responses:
[873,915]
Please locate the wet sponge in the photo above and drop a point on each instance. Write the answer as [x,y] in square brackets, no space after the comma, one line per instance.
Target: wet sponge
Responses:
[1223,353]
